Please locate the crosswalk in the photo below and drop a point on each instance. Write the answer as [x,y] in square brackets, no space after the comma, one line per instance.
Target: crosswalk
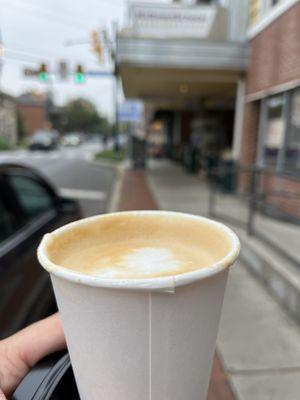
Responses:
[83,153]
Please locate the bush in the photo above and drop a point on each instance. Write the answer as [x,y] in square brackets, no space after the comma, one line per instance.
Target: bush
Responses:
[111,155]
[3,144]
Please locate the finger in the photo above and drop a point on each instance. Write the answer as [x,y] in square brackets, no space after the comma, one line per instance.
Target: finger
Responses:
[2,397]
[37,340]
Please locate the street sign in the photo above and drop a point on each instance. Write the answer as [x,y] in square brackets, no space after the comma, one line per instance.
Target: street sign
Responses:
[131,111]
[99,73]
[30,72]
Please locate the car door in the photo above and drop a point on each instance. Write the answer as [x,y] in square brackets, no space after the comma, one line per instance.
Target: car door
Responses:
[29,209]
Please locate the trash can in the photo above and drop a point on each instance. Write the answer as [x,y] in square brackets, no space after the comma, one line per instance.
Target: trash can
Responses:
[227,175]
[138,153]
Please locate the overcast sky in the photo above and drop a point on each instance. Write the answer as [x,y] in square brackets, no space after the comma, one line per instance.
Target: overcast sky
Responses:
[34,31]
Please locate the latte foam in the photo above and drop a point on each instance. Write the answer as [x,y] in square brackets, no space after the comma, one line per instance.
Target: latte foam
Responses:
[137,247]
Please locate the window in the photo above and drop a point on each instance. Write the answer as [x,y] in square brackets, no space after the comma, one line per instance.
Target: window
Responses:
[8,225]
[280,132]
[274,129]
[292,156]
[32,196]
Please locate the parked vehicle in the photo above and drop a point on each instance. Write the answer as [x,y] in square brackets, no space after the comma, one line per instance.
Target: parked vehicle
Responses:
[71,139]
[44,140]
[29,207]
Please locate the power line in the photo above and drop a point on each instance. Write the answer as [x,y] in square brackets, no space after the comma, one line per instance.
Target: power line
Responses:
[55,20]
[18,58]
[26,54]
[75,15]
[77,18]
[21,46]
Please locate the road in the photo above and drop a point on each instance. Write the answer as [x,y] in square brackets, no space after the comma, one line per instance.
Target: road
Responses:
[73,173]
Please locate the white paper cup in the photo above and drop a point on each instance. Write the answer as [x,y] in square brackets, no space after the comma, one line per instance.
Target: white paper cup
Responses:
[141,339]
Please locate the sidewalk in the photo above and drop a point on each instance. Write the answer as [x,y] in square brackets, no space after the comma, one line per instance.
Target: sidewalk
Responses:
[258,344]
[136,195]
[193,196]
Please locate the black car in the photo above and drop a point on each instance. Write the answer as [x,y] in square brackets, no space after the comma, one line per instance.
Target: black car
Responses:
[44,140]
[29,207]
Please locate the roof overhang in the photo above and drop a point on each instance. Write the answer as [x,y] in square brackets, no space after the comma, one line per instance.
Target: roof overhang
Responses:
[177,70]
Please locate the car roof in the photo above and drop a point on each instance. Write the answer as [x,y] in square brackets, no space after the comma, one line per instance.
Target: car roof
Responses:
[6,165]
[12,164]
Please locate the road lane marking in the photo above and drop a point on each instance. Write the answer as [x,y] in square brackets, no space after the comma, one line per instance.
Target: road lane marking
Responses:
[81,194]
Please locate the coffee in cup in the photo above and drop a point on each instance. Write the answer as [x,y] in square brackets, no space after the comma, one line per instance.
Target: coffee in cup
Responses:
[140,297]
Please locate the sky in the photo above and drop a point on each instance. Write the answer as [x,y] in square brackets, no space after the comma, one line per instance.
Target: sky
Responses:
[35,31]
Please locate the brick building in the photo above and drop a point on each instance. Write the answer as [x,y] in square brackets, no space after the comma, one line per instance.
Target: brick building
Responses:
[271,122]
[33,110]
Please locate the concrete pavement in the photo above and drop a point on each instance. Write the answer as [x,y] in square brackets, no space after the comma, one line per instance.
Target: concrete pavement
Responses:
[134,194]
[258,342]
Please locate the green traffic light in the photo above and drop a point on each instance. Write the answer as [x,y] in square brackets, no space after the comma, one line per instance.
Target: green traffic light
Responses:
[43,76]
[79,77]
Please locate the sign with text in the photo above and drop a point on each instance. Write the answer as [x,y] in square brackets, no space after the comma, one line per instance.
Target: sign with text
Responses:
[30,72]
[173,21]
[131,111]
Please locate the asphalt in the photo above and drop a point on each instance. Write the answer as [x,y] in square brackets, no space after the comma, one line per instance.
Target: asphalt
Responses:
[73,173]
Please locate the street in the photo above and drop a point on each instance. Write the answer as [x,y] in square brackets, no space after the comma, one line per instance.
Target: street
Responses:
[72,172]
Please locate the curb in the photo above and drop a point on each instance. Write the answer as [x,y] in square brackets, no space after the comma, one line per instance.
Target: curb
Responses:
[120,168]
[114,200]
[131,185]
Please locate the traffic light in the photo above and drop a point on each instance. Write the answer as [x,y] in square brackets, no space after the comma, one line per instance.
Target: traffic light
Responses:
[97,47]
[43,73]
[79,74]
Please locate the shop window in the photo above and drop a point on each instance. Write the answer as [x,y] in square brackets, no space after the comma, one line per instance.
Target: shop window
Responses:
[292,156]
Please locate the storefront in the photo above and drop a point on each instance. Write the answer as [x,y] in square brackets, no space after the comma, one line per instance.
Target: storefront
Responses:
[187,63]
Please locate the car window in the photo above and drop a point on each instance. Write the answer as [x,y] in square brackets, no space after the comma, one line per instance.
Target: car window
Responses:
[8,224]
[33,197]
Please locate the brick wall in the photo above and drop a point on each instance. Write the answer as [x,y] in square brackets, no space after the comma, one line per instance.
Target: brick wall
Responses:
[274,60]
[275,53]
[289,201]
[34,117]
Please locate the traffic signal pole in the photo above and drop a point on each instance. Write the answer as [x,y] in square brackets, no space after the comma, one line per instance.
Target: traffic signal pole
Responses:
[116,86]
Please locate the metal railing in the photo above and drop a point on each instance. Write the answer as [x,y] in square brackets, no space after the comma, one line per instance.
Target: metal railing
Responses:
[258,187]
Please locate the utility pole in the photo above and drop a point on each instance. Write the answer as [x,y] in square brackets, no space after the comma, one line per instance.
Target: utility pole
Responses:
[1,54]
[116,86]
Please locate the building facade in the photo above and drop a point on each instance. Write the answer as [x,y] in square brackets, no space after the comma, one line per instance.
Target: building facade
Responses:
[33,111]
[8,119]
[271,128]
[187,63]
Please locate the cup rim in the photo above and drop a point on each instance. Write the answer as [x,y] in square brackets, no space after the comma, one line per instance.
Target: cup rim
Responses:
[166,283]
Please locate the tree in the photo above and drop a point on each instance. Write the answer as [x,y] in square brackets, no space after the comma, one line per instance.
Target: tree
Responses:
[81,115]
[21,130]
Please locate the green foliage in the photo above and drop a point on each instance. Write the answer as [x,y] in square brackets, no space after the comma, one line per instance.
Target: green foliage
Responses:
[111,155]
[81,115]
[21,131]
[3,144]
